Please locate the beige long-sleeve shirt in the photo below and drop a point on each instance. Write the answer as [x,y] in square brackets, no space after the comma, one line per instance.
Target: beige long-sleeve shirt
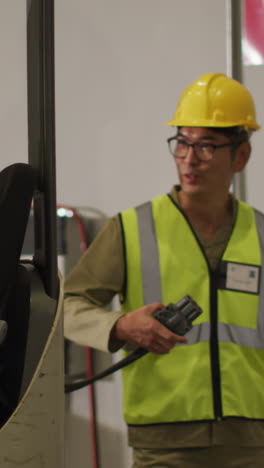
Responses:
[90,288]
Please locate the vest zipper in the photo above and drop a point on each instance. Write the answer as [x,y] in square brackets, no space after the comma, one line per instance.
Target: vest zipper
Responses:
[214,344]
[214,348]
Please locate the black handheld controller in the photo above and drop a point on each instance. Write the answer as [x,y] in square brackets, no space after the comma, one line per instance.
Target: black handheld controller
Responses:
[179,317]
[176,317]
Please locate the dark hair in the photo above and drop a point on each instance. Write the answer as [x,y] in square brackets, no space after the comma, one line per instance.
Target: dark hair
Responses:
[236,134]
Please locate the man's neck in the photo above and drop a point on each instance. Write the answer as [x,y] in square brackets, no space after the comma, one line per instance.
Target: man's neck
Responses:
[206,215]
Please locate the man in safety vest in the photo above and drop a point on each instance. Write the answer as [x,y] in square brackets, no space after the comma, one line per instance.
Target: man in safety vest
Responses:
[194,400]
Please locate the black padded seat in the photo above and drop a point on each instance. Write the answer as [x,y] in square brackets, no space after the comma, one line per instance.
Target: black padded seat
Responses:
[17,184]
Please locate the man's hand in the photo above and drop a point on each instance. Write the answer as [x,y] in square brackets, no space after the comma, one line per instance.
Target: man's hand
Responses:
[142,330]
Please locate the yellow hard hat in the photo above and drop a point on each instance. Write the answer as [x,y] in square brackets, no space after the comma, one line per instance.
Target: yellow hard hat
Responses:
[215,100]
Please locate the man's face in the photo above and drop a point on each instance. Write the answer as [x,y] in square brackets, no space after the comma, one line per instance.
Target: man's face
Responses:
[211,178]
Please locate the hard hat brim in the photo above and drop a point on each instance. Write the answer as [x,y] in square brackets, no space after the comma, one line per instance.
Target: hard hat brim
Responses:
[206,124]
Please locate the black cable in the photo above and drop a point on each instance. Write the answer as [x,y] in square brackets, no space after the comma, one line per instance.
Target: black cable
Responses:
[176,317]
[76,385]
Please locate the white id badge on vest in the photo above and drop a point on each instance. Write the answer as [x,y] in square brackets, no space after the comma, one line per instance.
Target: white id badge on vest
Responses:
[242,277]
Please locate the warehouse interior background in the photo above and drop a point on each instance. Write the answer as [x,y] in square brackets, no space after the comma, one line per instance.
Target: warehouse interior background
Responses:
[120,67]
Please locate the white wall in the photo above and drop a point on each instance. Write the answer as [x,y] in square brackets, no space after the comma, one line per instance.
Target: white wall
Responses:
[120,68]
[13,89]
[254,79]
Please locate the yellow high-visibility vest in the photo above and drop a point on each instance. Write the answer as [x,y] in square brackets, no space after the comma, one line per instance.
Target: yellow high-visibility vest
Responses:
[220,371]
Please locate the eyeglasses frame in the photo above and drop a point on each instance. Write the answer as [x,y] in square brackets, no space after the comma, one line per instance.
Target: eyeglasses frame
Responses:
[214,146]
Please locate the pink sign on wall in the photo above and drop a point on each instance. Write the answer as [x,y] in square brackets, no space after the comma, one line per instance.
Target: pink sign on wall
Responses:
[253,32]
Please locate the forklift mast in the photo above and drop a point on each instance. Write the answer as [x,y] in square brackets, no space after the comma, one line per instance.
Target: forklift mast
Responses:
[32,369]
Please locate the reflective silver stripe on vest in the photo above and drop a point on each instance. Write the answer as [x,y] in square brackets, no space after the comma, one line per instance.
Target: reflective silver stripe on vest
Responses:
[198,333]
[151,279]
[149,255]
[243,336]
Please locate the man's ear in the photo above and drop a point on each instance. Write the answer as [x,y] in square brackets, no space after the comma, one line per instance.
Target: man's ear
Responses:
[242,156]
